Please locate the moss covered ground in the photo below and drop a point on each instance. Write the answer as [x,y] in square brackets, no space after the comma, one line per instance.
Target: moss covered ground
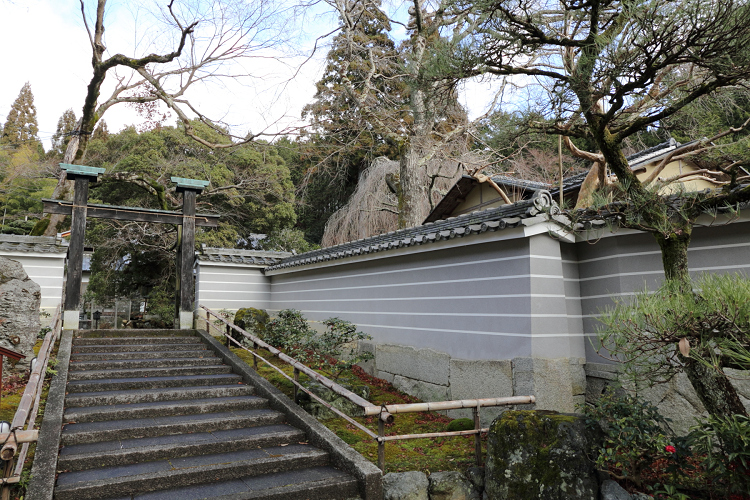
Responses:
[427,455]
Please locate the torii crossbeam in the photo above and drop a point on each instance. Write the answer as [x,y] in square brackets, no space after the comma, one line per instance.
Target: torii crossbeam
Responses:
[79,209]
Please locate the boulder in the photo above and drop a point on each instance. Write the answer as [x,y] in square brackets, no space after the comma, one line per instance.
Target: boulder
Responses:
[451,486]
[612,491]
[19,311]
[476,477]
[411,485]
[540,454]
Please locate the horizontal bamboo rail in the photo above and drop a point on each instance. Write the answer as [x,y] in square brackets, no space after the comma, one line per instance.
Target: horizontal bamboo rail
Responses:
[450,405]
[330,384]
[402,437]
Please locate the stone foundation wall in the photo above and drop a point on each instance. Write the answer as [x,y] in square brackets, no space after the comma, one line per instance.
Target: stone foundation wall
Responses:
[558,384]
[675,399]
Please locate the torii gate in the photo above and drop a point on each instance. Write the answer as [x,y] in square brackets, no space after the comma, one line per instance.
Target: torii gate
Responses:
[80,209]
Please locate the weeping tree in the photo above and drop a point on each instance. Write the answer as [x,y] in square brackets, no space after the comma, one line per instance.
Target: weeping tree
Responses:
[196,42]
[607,70]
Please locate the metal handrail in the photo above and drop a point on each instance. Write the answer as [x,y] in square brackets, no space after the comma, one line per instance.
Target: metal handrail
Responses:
[26,413]
[384,412]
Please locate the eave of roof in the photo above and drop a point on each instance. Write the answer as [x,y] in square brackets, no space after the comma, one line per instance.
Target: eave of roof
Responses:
[254,258]
[32,244]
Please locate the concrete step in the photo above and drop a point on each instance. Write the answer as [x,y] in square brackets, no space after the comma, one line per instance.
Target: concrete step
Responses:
[319,483]
[142,363]
[148,395]
[120,348]
[109,354]
[143,477]
[108,430]
[129,451]
[118,384]
[148,372]
[163,408]
[129,340]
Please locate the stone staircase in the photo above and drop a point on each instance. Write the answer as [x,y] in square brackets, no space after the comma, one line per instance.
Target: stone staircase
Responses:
[161,415]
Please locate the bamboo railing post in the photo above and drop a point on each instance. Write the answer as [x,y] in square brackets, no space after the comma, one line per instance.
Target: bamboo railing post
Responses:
[255,358]
[229,333]
[381,445]
[6,474]
[296,379]
[477,436]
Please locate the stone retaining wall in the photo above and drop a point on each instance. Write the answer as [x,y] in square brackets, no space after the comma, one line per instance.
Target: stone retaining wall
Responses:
[558,384]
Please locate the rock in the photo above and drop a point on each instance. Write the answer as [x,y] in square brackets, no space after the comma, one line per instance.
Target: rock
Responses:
[451,486]
[612,491]
[19,311]
[476,478]
[540,454]
[411,485]
[341,403]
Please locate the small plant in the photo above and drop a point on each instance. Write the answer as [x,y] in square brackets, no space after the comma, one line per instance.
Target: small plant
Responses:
[43,332]
[635,435]
[288,331]
[724,445]
[335,351]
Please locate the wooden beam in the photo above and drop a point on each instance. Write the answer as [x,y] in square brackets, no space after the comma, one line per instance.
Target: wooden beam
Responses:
[75,250]
[129,213]
[187,252]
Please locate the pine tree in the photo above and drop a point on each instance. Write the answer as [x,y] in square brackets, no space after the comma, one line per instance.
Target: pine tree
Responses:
[101,132]
[21,126]
[65,125]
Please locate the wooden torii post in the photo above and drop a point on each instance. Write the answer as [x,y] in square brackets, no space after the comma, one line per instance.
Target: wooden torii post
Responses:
[80,209]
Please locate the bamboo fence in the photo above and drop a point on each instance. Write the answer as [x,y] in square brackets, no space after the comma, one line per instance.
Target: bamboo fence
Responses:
[26,413]
[384,412]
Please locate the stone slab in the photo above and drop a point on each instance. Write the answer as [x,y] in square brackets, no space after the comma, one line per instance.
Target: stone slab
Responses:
[480,379]
[420,389]
[426,365]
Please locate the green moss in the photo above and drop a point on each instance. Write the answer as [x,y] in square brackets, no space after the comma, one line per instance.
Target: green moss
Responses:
[535,454]
[40,227]
[461,424]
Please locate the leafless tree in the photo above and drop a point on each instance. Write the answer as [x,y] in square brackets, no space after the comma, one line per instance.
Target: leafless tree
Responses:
[196,41]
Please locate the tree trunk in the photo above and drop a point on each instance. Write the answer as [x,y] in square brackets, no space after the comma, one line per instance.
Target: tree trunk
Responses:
[674,253]
[412,194]
[714,389]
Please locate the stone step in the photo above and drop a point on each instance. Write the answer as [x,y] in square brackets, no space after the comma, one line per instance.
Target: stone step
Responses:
[82,350]
[108,430]
[148,372]
[319,483]
[119,481]
[163,408]
[142,363]
[115,355]
[148,395]
[132,332]
[118,384]
[128,451]
[128,340]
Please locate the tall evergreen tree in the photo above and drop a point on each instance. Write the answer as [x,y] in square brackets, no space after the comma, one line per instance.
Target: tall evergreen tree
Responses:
[21,126]
[342,141]
[65,125]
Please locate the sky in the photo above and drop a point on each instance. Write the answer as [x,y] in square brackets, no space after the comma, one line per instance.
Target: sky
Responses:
[45,43]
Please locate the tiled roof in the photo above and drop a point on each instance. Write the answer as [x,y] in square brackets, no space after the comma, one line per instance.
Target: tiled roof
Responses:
[248,257]
[35,244]
[574,182]
[494,219]
[520,183]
